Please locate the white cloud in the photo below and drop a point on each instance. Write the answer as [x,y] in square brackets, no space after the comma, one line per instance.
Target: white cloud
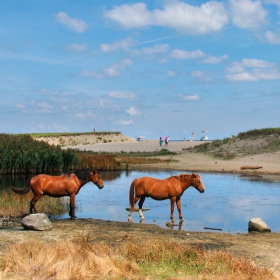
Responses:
[20,106]
[111,72]
[44,108]
[171,73]
[123,122]
[133,111]
[197,74]
[214,59]
[130,16]
[45,90]
[125,62]
[191,98]
[122,95]
[208,17]
[85,115]
[254,75]
[93,74]
[248,14]
[77,47]
[120,44]
[272,38]
[181,54]
[254,63]
[203,75]
[163,48]
[276,2]
[252,70]
[74,24]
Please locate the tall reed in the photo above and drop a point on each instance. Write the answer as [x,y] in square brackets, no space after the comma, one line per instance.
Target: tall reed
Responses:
[23,154]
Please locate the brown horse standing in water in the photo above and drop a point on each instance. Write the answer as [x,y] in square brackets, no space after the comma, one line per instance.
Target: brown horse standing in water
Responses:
[57,186]
[171,188]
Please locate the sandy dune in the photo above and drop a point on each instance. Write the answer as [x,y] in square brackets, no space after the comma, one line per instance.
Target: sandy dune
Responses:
[183,160]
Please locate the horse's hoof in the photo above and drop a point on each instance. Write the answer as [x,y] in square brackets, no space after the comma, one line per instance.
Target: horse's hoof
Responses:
[74,218]
[182,220]
[168,224]
[143,218]
[129,219]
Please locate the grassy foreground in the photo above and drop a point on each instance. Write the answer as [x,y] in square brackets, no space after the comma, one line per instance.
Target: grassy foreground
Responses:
[81,259]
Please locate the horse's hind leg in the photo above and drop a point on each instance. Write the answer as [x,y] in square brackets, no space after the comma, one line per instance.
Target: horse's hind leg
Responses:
[142,199]
[172,203]
[130,216]
[178,203]
[33,203]
[131,210]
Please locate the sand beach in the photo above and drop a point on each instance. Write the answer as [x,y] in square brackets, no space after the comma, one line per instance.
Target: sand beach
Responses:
[184,159]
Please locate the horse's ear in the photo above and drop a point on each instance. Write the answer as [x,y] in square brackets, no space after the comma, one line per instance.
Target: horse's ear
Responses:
[194,175]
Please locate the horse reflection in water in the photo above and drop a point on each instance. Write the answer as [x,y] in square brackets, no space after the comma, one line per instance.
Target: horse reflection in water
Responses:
[68,184]
[171,188]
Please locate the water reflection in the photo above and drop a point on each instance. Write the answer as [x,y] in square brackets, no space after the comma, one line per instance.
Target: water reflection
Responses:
[228,203]
[110,176]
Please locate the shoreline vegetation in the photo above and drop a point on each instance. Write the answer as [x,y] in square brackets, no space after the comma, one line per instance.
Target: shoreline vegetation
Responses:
[255,152]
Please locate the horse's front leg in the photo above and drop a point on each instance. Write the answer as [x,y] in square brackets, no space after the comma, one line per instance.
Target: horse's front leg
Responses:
[72,207]
[178,203]
[142,199]
[172,202]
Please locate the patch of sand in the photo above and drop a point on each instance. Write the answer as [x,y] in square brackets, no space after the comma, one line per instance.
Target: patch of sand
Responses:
[183,160]
[86,139]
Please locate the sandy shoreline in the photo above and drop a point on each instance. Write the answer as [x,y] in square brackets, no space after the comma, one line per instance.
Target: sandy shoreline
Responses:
[184,160]
[188,161]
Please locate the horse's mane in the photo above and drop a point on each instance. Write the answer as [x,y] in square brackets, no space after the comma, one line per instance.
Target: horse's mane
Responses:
[81,174]
[182,177]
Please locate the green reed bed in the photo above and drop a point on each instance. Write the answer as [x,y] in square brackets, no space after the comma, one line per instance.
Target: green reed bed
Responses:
[22,154]
[16,205]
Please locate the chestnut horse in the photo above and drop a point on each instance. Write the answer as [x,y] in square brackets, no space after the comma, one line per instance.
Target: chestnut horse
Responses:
[171,188]
[68,184]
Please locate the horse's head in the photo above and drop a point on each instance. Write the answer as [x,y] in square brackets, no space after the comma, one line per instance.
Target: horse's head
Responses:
[197,183]
[96,179]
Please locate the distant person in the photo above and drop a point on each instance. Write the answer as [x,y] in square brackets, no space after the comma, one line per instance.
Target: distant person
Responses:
[166,141]
[160,141]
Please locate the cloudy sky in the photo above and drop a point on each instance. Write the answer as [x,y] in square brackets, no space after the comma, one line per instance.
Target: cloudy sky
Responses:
[148,68]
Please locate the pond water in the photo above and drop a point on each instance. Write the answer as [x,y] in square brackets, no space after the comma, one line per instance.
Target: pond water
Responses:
[228,203]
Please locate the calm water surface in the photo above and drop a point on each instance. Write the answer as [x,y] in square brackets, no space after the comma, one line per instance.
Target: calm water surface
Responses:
[228,203]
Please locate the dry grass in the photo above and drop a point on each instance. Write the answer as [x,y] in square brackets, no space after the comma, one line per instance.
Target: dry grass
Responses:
[80,259]
[64,260]
[99,162]
[16,205]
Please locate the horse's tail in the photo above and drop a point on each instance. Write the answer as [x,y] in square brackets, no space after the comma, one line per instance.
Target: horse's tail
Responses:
[25,190]
[131,196]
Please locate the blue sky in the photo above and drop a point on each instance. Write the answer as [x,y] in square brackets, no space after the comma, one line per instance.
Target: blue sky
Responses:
[148,68]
